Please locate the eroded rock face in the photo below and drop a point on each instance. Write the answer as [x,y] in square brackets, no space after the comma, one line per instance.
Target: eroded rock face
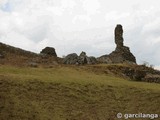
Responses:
[49,51]
[122,53]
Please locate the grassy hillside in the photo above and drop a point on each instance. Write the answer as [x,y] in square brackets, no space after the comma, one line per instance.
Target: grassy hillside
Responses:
[19,57]
[72,93]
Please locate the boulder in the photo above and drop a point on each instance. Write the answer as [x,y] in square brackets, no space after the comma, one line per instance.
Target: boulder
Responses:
[49,51]
[92,60]
[71,59]
[83,54]
[82,59]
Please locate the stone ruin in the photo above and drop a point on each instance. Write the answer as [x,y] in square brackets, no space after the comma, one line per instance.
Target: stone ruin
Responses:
[122,53]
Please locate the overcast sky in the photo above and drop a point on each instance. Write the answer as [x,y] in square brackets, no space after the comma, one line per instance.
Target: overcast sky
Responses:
[82,25]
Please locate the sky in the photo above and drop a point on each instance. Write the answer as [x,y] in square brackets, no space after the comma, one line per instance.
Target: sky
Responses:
[72,26]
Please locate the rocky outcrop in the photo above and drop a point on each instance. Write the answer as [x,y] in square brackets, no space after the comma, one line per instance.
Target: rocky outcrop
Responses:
[118,34]
[133,72]
[79,60]
[71,59]
[83,59]
[104,59]
[49,51]
[92,60]
[152,79]
[122,53]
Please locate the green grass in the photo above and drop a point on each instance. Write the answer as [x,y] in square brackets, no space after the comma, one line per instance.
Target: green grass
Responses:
[71,93]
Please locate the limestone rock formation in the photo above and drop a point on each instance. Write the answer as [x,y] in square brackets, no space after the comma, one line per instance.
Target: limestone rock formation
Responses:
[71,59]
[82,59]
[122,53]
[92,60]
[79,60]
[49,51]
[119,36]
[104,59]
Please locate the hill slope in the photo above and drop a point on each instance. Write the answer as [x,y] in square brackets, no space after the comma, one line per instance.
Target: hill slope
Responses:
[72,93]
[16,51]
[19,57]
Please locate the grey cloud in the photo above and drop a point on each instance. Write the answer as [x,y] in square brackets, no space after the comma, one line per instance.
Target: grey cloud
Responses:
[69,28]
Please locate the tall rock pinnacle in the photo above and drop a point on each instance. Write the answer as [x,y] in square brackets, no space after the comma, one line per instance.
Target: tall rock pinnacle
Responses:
[122,53]
[119,35]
